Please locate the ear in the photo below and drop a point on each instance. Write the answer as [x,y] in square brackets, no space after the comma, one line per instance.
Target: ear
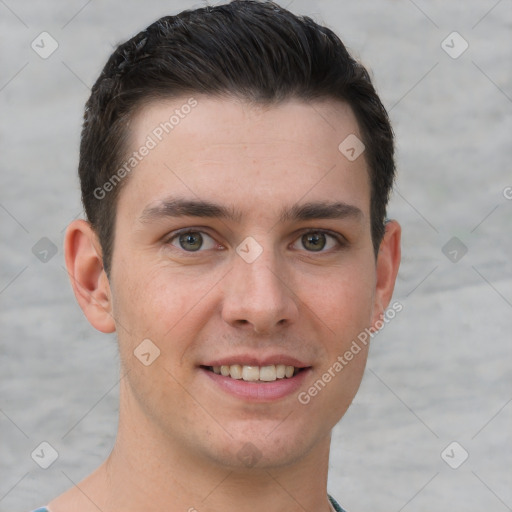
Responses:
[388,261]
[84,262]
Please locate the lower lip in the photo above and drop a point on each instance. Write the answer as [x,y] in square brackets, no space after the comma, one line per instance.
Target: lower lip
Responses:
[259,391]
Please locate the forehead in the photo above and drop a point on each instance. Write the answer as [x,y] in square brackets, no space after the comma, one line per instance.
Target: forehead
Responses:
[251,156]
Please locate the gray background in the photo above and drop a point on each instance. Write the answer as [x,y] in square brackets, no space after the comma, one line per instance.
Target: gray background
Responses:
[439,372]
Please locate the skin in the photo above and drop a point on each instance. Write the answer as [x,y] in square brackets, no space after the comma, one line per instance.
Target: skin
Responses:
[179,435]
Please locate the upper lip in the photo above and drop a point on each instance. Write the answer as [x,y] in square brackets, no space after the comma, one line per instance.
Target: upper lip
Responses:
[251,360]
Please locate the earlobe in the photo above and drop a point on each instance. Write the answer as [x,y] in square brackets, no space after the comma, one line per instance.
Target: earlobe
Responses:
[388,262]
[90,284]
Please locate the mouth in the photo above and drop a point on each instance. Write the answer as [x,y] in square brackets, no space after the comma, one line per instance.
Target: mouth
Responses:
[251,382]
[249,373]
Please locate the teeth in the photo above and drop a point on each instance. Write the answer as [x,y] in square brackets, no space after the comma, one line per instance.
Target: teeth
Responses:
[256,373]
[268,373]
[235,371]
[251,373]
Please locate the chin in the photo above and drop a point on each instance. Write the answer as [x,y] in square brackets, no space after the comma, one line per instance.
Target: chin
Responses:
[257,446]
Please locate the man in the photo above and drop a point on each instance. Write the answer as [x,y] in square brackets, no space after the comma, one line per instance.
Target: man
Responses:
[235,166]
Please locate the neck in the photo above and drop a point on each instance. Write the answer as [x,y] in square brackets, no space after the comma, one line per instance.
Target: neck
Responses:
[149,471]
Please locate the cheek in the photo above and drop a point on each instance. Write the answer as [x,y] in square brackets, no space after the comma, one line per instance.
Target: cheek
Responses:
[159,304]
[343,299]
[347,306]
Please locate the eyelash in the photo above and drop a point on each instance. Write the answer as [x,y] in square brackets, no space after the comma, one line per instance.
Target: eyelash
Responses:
[339,239]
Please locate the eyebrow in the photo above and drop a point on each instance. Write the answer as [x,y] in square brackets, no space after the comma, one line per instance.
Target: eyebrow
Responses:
[179,207]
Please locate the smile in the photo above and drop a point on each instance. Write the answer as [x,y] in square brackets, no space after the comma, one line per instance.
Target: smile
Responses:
[249,382]
[268,373]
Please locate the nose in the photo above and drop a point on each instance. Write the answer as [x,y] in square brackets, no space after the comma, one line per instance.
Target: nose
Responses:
[259,296]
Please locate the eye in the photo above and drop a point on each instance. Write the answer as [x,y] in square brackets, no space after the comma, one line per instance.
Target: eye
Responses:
[317,241]
[192,241]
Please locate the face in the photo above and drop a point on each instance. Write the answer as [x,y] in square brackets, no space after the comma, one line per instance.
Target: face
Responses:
[243,242]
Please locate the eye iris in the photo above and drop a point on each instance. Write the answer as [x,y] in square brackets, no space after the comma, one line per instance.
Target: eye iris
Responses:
[191,241]
[314,241]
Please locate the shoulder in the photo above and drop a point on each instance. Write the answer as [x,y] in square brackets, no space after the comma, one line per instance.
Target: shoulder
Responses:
[335,504]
